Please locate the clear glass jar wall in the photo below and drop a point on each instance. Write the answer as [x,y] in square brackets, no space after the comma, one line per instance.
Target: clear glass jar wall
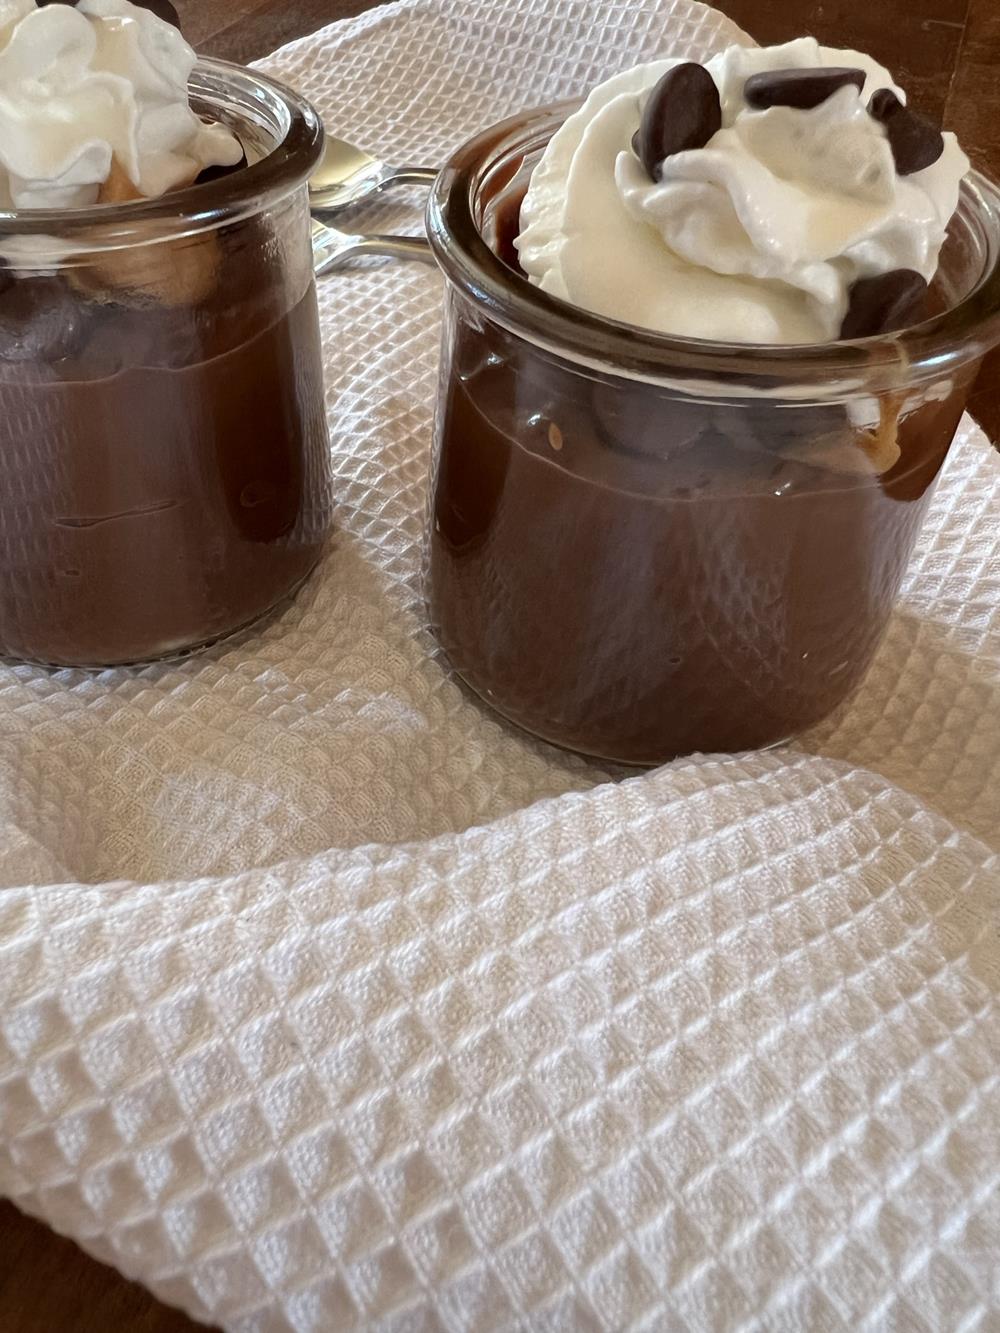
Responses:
[644,546]
[162,428]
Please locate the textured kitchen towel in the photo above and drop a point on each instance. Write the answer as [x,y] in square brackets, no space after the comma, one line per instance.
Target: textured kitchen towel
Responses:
[326,1002]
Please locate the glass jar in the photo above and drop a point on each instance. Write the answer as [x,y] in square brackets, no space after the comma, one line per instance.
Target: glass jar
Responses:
[162,426]
[642,546]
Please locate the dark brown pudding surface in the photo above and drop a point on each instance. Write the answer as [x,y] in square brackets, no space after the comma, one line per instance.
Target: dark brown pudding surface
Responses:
[165,451]
[638,576]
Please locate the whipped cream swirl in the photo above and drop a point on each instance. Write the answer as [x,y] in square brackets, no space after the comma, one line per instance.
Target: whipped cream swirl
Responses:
[87,86]
[756,237]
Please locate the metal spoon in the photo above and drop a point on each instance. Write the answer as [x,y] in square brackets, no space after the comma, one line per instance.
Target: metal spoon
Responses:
[332,249]
[346,175]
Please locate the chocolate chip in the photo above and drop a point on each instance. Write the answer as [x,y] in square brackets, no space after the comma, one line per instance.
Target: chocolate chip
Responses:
[774,427]
[883,304]
[39,321]
[121,337]
[682,112]
[163,9]
[210,174]
[638,419]
[502,226]
[914,141]
[800,88]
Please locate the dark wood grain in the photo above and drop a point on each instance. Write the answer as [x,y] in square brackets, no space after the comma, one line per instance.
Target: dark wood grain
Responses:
[973,112]
[946,53]
[918,40]
[48,1285]
[242,30]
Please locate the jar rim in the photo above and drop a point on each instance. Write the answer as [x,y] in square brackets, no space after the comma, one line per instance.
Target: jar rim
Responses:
[285,167]
[932,348]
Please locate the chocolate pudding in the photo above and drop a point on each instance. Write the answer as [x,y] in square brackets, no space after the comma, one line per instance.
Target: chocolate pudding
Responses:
[636,573]
[162,420]
[694,395]
[637,577]
[165,451]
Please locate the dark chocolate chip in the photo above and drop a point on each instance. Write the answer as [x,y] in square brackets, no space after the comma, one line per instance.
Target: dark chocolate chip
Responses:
[39,321]
[682,112]
[883,304]
[638,419]
[502,226]
[121,337]
[800,88]
[210,174]
[163,9]
[914,141]
[773,427]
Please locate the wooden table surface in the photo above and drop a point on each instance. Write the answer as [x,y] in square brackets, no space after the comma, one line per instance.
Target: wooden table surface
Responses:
[946,53]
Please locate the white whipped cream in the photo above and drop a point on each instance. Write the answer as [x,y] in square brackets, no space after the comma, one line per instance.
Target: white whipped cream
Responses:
[754,238]
[80,87]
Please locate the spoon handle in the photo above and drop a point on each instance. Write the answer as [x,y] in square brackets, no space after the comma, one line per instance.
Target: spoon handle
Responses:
[334,250]
[333,199]
[396,247]
[409,176]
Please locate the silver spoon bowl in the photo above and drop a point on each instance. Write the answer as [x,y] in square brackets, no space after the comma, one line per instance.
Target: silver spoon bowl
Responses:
[347,175]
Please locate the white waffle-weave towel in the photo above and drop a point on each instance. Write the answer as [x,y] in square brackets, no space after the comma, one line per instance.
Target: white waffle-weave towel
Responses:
[328,1003]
